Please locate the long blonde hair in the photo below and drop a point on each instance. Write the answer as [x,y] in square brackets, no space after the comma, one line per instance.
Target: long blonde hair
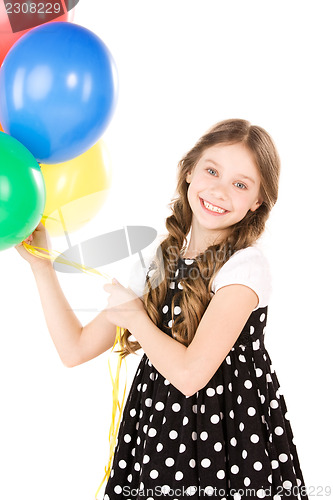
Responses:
[196,294]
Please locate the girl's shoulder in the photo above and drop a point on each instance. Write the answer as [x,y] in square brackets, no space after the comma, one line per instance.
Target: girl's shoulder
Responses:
[250,255]
[248,266]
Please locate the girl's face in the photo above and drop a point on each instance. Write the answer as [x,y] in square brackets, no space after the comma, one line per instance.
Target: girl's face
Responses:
[224,186]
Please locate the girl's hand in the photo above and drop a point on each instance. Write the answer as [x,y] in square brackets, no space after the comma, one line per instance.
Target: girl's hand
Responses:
[38,238]
[123,305]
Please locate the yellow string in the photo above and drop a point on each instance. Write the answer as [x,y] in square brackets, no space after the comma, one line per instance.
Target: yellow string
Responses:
[117,407]
[53,254]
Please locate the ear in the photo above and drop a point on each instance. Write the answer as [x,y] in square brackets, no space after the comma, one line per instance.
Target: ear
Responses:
[189,177]
[256,205]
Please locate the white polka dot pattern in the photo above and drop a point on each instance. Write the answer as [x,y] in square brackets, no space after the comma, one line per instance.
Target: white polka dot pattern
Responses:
[232,434]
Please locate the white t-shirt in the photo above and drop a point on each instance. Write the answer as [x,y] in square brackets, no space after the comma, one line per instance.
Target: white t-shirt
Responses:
[247,266]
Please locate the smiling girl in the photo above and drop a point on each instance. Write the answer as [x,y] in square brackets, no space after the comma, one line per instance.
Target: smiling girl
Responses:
[205,415]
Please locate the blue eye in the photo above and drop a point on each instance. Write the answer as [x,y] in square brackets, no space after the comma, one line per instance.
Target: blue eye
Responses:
[240,184]
[211,170]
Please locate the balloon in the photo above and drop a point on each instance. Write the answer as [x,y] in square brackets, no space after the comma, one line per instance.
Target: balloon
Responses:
[76,190]
[8,38]
[22,192]
[1,129]
[57,91]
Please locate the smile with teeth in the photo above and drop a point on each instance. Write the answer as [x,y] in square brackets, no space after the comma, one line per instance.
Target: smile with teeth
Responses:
[213,208]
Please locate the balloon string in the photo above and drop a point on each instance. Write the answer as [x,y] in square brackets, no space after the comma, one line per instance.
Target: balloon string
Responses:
[52,255]
[116,405]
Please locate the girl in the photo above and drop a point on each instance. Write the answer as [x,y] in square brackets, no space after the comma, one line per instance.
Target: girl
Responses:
[204,416]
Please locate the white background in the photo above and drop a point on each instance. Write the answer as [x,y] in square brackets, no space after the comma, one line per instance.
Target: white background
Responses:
[184,65]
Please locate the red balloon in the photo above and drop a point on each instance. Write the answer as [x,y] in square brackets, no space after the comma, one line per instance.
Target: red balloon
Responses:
[8,38]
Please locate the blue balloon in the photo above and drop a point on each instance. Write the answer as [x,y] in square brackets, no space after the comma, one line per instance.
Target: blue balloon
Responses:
[58,90]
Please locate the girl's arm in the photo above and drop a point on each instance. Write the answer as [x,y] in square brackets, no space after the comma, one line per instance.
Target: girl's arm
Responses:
[190,368]
[75,344]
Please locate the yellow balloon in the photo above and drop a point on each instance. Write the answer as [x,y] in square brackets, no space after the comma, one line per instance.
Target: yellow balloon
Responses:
[76,190]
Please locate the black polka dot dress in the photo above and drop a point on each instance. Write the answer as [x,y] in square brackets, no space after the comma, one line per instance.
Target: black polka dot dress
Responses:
[232,439]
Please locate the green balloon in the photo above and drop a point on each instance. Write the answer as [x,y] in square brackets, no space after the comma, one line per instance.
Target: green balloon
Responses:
[22,192]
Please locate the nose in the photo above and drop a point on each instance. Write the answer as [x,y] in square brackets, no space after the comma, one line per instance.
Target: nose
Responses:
[220,190]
